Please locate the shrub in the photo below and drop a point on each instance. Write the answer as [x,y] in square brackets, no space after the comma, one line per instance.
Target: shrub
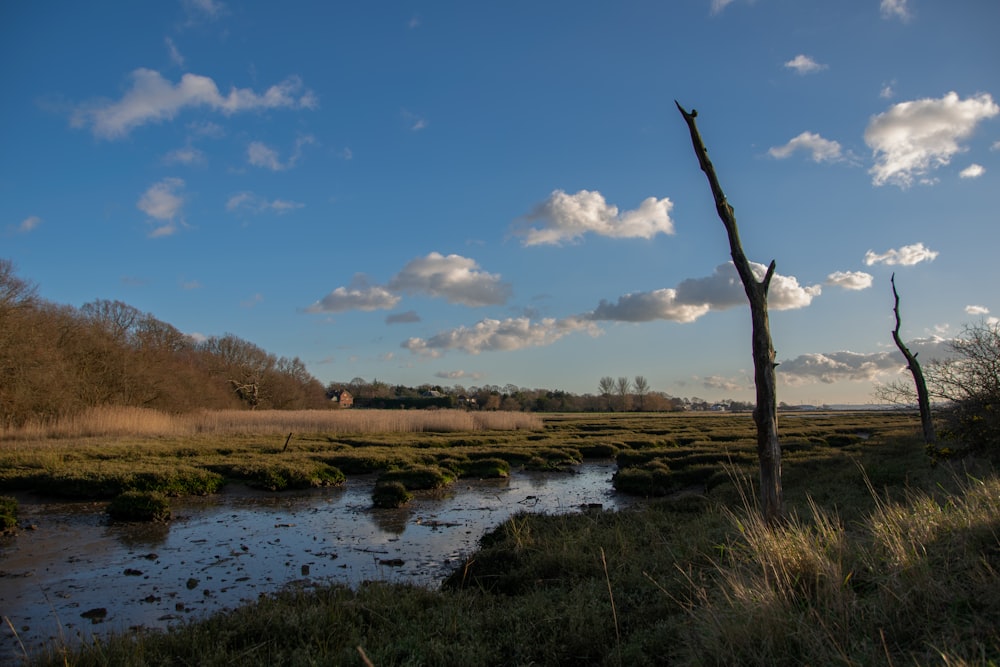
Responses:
[140,506]
[490,468]
[419,477]
[390,495]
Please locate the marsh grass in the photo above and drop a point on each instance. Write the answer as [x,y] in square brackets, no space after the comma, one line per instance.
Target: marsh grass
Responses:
[8,513]
[139,506]
[142,422]
[885,559]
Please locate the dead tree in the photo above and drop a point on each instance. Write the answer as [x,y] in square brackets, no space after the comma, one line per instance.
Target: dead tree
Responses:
[765,414]
[923,398]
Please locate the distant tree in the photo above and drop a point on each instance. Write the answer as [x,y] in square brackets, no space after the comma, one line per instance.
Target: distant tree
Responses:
[641,389]
[766,411]
[606,387]
[623,387]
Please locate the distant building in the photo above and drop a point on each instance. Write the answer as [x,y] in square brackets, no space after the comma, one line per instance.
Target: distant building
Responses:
[341,398]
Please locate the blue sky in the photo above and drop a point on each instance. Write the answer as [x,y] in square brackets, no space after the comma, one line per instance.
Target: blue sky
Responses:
[504,193]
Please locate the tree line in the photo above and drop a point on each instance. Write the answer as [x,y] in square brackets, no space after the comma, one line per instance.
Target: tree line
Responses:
[57,360]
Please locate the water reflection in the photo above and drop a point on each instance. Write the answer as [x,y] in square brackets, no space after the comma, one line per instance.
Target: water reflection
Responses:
[224,550]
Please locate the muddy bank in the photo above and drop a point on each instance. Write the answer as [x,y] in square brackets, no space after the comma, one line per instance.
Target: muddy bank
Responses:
[75,574]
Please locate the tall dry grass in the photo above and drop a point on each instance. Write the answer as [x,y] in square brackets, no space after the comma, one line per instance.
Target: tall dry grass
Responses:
[126,421]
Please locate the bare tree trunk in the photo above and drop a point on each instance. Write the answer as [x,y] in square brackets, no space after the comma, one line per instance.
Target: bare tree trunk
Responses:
[923,398]
[765,415]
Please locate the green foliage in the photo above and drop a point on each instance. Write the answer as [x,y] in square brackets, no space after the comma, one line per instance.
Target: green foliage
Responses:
[139,506]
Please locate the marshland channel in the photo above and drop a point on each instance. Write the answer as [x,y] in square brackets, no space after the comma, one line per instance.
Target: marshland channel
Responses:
[71,573]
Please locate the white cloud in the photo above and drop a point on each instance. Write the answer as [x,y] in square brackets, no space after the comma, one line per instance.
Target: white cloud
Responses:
[973,171]
[454,278]
[248,201]
[28,224]
[661,304]
[803,64]
[905,256]
[838,366]
[175,55]
[499,335]
[887,92]
[458,375]
[358,296]
[720,383]
[852,280]
[260,154]
[719,5]
[977,310]
[822,150]
[895,9]
[913,138]
[832,367]
[563,217]
[154,99]
[163,202]
[211,9]
[696,296]
[413,121]
[185,155]
[995,146]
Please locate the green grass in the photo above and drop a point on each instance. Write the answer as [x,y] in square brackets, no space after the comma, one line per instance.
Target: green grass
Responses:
[8,514]
[140,506]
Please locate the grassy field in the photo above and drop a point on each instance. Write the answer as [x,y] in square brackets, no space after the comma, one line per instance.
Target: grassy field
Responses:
[885,559]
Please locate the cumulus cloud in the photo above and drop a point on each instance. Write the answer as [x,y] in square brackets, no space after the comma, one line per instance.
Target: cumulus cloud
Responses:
[248,201]
[905,256]
[499,335]
[977,310]
[661,304]
[973,171]
[564,217]
[696,296]
[152,99]
[912,139]
[820,149]
[852,280]
[454,278]
[360,295]
[895,9]
[163,202]
[838,366]
[803,64]
[833,367]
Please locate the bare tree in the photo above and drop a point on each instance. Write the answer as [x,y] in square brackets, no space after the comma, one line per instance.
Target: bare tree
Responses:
[623,387]
[923,398]
[641,388]
[607,387]
[765,413]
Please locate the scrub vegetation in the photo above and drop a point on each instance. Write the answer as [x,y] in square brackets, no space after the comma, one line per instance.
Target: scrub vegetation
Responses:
[888,556]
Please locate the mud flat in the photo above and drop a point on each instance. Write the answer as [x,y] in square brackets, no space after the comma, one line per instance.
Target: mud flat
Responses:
[73,574]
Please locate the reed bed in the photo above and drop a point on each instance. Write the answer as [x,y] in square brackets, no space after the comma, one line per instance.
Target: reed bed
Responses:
[142,422]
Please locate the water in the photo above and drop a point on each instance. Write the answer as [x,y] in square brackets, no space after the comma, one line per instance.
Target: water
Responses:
[224,550]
